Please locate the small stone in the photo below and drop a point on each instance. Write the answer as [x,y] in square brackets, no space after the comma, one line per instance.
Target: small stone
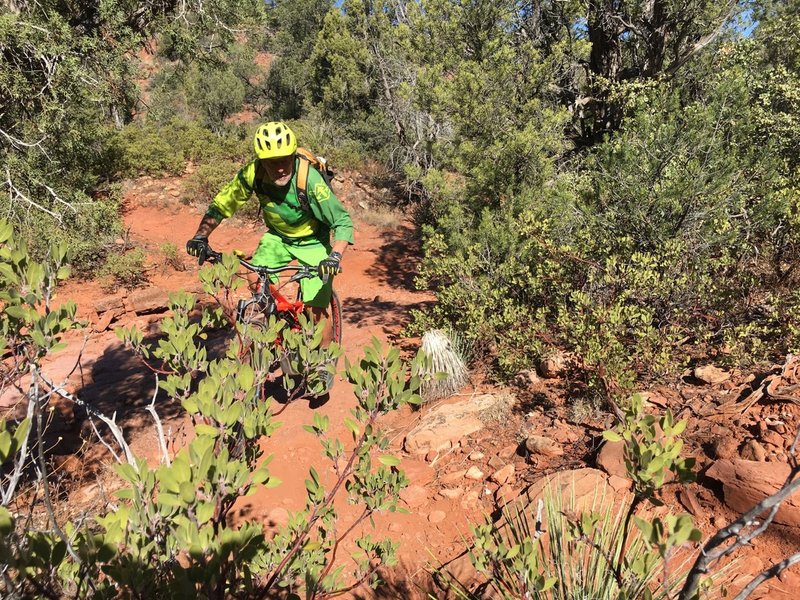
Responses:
[754,451]
[689,500]
[543,445]
[471,499]
[749,378]
[474,473]
[496,462]
[552,366]
[725,447]
[452,478]
[503,475]
[414,496]
[476,455]
[711,375]
[527,378]
[431,455]
[452,493]
[437,516]
[507,452]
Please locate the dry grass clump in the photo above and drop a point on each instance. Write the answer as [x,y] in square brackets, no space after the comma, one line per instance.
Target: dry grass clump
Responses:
[447,364]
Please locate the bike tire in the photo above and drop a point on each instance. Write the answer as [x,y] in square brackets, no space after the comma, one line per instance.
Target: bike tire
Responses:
[335,312]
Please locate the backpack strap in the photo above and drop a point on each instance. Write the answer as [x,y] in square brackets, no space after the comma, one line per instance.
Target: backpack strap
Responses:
[302,181]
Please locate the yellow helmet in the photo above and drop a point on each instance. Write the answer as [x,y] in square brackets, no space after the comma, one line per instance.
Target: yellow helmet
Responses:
[274,140]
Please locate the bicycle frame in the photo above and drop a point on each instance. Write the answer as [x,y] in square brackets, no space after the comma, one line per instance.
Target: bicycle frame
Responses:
[268,295]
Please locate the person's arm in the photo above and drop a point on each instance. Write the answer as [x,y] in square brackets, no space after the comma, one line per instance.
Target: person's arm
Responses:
[225,203]
[208,224]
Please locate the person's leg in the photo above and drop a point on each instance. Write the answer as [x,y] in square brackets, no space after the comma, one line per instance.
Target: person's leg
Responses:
[270,252]
[316,295]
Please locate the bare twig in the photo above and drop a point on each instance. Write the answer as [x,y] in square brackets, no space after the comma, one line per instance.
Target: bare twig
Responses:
[162,442]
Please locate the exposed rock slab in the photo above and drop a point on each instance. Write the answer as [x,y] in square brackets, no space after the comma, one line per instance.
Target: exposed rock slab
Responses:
[449,423]
[746,483]
[149,300]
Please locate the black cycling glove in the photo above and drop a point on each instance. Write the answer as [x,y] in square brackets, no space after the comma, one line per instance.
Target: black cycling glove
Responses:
[330,266]
[198,246]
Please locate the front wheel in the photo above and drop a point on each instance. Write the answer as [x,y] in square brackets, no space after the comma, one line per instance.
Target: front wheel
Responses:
[335,316]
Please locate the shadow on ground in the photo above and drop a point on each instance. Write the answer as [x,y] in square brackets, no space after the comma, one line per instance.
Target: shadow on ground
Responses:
[412,582]
[398,259]
[364,312]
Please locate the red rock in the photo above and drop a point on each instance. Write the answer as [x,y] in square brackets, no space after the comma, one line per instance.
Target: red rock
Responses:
[149,300]
[507,452]
[104,321]
[506,494]
[610,459]
[452,493]
[452,478]
[417,471]
[620,484]
[690,502]
[109,303]
[471,500]
[774,438]
[437,516]
[414,496]
[503,475]
[543,445]
[746,483]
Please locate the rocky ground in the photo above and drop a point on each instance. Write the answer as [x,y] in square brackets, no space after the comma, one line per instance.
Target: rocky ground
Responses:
[466,455]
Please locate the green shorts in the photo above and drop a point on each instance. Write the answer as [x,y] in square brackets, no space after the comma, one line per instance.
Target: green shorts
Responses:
[273,251]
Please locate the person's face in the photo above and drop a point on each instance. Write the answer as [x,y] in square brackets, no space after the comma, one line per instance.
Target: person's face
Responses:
[279,170]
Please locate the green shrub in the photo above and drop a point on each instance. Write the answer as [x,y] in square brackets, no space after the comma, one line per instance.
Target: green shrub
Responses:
[126,269]
[171,257]
[207,180]
[155,149]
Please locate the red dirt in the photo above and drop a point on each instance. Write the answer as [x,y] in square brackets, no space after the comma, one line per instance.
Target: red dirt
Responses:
[377,292]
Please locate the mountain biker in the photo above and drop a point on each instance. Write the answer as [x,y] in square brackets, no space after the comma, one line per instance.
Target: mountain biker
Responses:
[295,229]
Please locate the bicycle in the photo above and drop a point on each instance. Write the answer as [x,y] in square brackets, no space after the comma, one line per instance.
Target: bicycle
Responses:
[268,299]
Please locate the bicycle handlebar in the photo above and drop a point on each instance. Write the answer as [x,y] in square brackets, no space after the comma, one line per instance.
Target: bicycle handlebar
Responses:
[302,271]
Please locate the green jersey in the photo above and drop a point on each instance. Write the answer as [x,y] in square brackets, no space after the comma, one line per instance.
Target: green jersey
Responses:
[281,207]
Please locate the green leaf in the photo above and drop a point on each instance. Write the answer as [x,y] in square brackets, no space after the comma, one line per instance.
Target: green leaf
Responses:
[207,430]
[388,460]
